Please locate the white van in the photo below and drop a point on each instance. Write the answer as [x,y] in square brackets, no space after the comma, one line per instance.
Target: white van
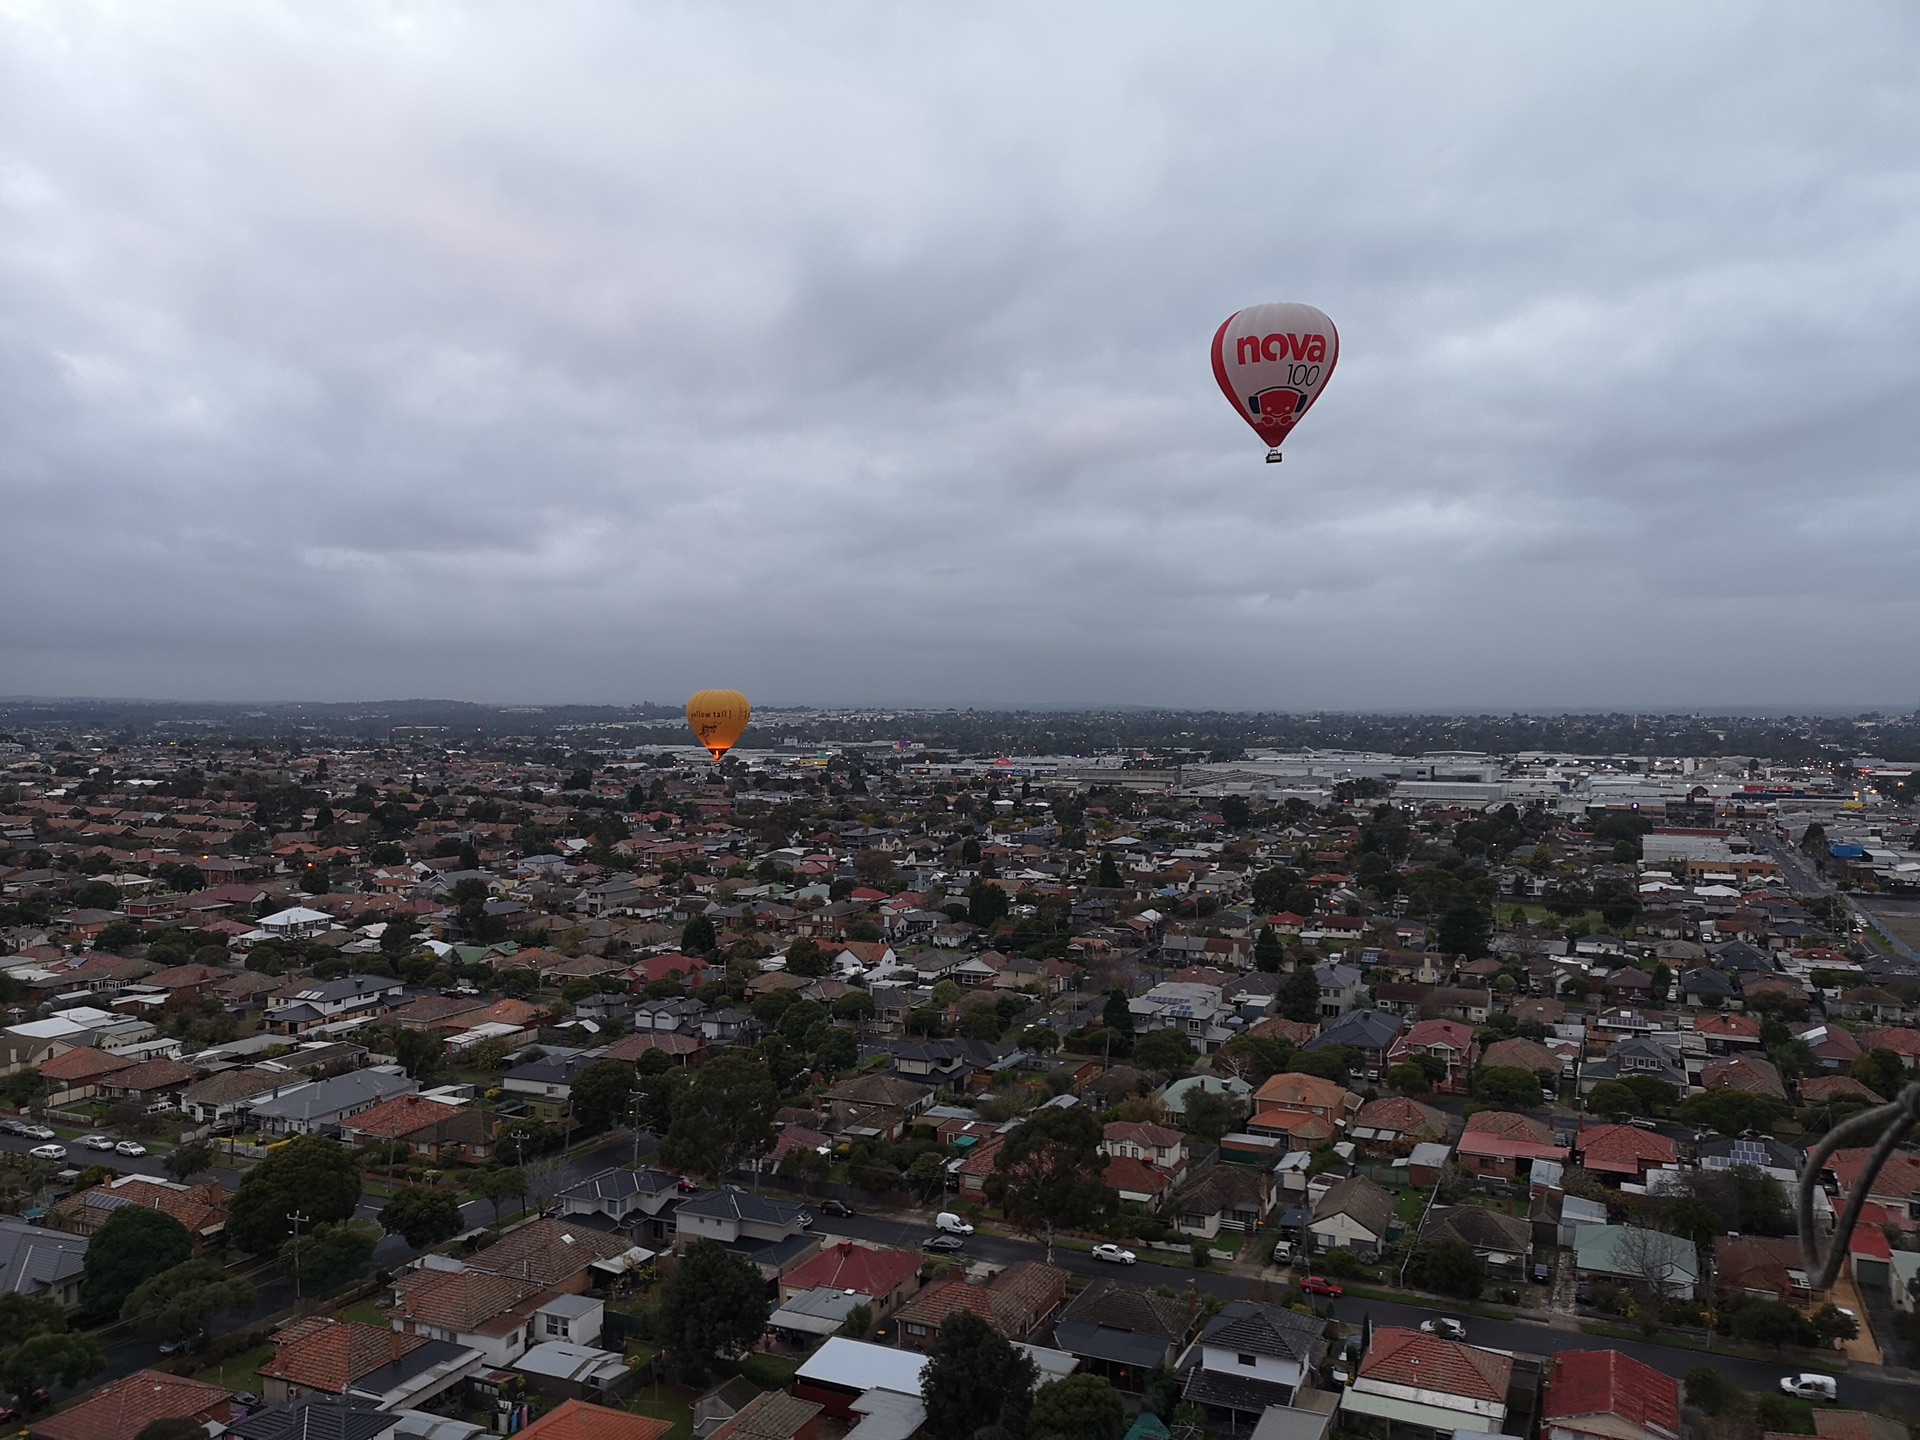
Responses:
[951,1223]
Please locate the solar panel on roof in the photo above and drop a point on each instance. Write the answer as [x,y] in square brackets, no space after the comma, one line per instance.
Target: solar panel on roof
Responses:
[1750,1152]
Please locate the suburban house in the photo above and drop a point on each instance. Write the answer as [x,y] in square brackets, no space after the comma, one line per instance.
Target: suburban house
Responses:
[1354,1215]
[1651,1259]
[1016,1302]
[1503,1241]
[39,1261]
[1394,1124]
[1607,1395]
[432,1129]
[1371,1032]
[1224,1197]
[1251,1356]
[1288,1098]
[1504,1144]
[772,1233]
[1157,1145]
[1449,1041]
[201,1209]
[1761,1267]
[1123,1331]
[322,1107]
[489,1313]
[558,1256]
[1435,1386]
[312,1003]
[644,1200]
[128,1406]
[883,1278]
[1624,1152]
[318,1356]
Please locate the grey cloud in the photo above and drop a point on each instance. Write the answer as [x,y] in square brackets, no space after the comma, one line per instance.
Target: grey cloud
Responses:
[602,352]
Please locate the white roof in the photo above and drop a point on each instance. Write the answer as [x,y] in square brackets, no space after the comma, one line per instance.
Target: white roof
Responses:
[857,1365]
[297,915]
[559,1360]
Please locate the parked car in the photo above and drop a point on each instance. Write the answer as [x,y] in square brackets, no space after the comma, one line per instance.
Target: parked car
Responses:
[1283,1252]
[130,1147]
[40,1132]
[1810,1385]
[1583,1294]
[96,1142]
[12,1127]
[173,1347]
[1117,1254]
[836,1207]
[1542,1273]
[944,1244]
[1445,1328]
[1321,1285]
[245,1397]
[951,1223]
[48,1152]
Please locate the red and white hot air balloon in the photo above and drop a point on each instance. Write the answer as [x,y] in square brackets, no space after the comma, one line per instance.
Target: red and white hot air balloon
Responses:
[1272,361]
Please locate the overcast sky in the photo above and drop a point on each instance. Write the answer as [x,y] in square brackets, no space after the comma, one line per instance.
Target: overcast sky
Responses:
[858,353]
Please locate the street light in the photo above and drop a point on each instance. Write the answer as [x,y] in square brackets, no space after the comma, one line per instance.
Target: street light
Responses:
[298,1220]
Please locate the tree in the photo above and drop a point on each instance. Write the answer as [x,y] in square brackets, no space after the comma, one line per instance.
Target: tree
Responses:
[1465,929]
[805,957]
[49,1358]
[1408,1078]
[855,1007]
[1773,1322]
[1115,1014]
[1048,1172]
[601,1091]
[182,1301]
[330,1253]
[1693,1218]
[184,1161]
[1880,1071]
[1709,1391]
[858,1322]
[176,1427]
[1731,1111]
[507,1183]
[975,1378]
[1209,1114]
[1300,994]
[1507,1085]
[1108,876]
[1235,813]
[836,1051]
[398,938]
[133,1246]
[422,1217]
[310,1176]
[1662,983]
[722,1119]
[1080,1407]
[419,1052]
[987,904]
[713,1301]
[1269,952]
[1834,1324]
[1272,888]
[1448,1267]
[1167,1051]
[698,937]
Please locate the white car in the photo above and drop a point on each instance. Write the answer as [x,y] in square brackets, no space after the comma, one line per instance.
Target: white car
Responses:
[1445,1328]
[48,1152]
[96,1142]
[1810,1385]
[1117,1254]
[129,1147]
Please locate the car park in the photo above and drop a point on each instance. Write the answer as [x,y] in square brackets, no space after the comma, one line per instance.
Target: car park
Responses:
[943,1244]
[1117,1254]
[1810,1385]
[1321,1285]
[96,1142]
[1445,1327]
[130,1147]
[48,1152]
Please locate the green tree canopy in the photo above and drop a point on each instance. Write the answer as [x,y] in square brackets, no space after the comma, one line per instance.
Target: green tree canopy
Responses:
[422,1217]
[310,1176]
[1731,1111]
[133,1246]
[1209,1114]
[600,1093]
[1300,994]
[330,1255]
[1506,1085]
[1448,1267]
[712,1301]
[1080,1407]
[181,1302]
[1049,1171]
[722,1119]
[1167,1051]
[975,1378]
[987,904]
[1115,1014]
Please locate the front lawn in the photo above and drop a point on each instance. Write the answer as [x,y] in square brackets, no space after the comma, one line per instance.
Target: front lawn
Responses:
[669,1403]
[242,1371]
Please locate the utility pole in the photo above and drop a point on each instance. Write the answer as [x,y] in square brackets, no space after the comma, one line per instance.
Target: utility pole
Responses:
[298,1220]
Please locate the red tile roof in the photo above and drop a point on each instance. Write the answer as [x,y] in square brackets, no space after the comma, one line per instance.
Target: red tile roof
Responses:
[126,1407]
[1606,1382]
[330,1357]
[847,1266]
[82,1064]
[577,1420]
[1426,1362]
[1623,1149]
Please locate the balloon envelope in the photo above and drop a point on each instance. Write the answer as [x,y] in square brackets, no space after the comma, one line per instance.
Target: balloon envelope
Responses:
[1272,361]
[718,717]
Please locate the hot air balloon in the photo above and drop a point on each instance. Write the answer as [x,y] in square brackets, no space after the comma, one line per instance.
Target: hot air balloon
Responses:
[1271,362]
[717,718]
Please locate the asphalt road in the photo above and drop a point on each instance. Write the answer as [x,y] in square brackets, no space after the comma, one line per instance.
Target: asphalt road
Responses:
[1863,1387]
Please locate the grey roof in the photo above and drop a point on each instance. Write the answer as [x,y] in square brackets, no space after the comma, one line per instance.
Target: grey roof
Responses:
[326,1098]
[619,1183]
[383,1381]
[1362,1029]
[347,987]
[1116,1305]
[1245,1393]
[1247,1325]
[552,1069]
[1479,1227]
[1121,1347]
[570,1306]
[320,1417]
[34,1260]
[731,1204]
[558,1360]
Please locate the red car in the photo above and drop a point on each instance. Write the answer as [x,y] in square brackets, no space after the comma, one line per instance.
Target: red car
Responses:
[1320,1285]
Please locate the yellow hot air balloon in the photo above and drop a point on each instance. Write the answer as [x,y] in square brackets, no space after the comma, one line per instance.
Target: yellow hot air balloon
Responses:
[718,718]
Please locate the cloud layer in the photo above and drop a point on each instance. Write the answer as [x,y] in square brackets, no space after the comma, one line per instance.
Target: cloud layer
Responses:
[858,353]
